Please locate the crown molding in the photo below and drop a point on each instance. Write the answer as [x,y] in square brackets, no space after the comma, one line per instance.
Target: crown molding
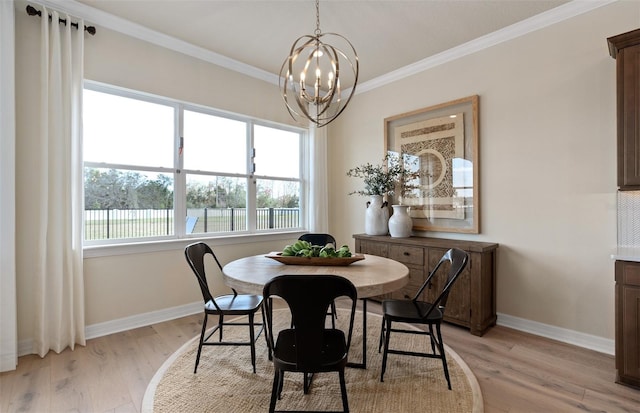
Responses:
[120,25]
[111,22]
[542,20]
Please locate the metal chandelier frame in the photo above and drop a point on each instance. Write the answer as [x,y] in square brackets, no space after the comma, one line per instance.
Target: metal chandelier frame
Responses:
[310,77]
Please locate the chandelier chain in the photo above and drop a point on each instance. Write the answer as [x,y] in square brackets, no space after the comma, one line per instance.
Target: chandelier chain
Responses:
[317,32]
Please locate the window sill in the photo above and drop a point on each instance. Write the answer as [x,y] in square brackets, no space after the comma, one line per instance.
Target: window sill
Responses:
[95,251]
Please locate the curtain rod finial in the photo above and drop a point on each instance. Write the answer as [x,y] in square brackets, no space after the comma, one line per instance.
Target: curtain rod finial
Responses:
[31,11]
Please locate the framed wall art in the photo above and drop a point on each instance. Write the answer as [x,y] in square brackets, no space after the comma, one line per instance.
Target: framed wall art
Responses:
[440,145]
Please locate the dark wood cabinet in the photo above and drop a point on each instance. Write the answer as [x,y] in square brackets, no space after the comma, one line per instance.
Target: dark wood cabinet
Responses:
[625,48]
[472,301]
[628,323]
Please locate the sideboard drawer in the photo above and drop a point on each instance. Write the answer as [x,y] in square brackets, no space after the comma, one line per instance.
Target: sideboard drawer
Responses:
[373,248]
[407,255]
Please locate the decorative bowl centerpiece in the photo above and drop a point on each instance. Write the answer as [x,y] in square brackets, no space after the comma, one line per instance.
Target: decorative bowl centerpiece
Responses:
[328,261]
[304,253]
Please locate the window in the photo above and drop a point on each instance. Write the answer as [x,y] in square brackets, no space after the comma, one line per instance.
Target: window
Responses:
[222,175]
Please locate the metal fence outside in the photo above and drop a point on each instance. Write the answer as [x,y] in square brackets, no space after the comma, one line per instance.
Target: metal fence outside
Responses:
[139,223]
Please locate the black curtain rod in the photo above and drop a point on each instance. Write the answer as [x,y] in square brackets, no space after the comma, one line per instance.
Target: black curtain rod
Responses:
[32,11]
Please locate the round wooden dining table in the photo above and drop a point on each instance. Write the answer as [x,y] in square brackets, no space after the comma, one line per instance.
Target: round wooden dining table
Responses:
[372,276]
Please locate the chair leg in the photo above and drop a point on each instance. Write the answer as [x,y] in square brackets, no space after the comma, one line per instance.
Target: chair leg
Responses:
[343,390]
[253,342]
[443,356]
[381,336]
[274,391]
[265,330]
[432,338]
[334,314]
[386,348]
[204,328]
[280,384]
[306,382]
[221,323]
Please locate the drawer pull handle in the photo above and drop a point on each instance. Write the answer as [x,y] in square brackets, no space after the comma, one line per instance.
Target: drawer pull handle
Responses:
[406,254]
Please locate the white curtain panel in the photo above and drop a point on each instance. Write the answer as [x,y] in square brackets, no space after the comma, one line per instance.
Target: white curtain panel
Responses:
[59,285]
[318,192]
[8,300]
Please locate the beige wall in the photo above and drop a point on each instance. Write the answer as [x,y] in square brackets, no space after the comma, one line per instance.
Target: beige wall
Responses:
[547,139]
[547,162]
[127,285]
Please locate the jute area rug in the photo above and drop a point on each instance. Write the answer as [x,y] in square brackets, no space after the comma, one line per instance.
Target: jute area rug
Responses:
[225,382]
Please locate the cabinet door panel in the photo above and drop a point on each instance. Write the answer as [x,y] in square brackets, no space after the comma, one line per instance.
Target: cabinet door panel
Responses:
[628,323]
[458,308]
[631,327]
[629,170]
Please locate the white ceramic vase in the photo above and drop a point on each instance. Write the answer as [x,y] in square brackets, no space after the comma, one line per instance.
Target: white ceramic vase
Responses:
[400,223]
[376,217]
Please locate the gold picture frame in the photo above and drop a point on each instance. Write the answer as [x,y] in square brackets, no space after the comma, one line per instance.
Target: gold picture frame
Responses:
[440,144]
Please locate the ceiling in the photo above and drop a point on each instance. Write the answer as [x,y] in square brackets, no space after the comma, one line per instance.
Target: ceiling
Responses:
[387,35]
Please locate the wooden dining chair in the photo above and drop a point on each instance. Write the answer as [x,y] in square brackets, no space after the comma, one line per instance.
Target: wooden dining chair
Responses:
[308,347]
[415,311]
[223,305]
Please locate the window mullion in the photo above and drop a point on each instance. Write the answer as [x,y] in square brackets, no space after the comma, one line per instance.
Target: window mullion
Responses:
[251,181]
[180,190]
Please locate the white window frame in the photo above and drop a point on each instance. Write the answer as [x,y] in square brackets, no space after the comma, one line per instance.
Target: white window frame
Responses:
[149,244]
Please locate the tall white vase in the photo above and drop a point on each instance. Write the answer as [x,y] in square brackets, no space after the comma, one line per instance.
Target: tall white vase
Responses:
[400,223]
[376,217]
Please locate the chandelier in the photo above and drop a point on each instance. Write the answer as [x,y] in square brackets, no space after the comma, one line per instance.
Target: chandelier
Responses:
[313,75]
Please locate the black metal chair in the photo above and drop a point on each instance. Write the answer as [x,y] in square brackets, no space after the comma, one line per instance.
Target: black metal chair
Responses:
[317,238]
[308,347]
[224,305]
[415,311]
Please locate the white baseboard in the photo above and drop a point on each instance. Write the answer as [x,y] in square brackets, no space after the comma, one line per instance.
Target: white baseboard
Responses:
[142,320]
[127,323]
[564,335]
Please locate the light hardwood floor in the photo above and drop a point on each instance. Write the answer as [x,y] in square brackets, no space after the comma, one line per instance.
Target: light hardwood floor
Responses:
[517,372]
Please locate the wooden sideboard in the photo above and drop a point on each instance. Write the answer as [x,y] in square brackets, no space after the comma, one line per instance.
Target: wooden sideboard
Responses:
[472,301]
